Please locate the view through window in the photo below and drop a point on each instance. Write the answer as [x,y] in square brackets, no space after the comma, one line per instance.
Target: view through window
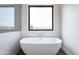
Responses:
[40,18]
[6,17]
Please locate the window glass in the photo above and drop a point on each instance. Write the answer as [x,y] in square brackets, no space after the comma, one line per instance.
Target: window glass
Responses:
[6,17]
[40,18]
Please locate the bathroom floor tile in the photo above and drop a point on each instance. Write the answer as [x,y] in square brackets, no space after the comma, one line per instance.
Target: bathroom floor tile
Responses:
[59,53]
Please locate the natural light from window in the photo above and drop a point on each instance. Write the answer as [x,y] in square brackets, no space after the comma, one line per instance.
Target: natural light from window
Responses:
[41,18]
[6,17]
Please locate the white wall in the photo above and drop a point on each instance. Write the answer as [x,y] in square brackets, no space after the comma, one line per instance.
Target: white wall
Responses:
[57,23]
[70,28]
[10,43]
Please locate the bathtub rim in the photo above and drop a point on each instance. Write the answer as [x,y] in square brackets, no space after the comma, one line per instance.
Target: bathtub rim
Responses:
[59,41]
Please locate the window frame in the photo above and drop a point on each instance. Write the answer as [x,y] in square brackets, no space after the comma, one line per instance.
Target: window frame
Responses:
[51,20]
[8,28]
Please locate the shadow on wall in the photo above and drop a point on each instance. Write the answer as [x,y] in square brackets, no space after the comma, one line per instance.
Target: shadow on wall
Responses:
[9,43]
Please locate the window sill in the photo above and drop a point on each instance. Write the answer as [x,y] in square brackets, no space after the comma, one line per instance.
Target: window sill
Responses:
[6,28]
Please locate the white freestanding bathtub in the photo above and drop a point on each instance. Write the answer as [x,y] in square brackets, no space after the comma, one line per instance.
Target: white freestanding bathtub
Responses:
[40,45]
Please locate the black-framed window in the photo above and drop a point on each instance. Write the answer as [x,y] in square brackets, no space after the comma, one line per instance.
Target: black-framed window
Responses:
[40,18]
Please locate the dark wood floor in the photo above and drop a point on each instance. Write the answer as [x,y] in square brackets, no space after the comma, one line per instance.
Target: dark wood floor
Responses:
[59,53]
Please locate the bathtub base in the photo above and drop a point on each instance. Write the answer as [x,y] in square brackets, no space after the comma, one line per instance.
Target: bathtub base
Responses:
[40,49]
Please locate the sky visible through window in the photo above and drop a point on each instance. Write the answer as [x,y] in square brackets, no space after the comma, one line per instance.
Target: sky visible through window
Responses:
[6,16]
[41,18]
